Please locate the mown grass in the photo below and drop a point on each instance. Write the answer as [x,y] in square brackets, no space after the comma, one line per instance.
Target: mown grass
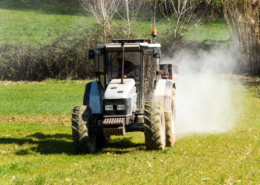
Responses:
[40,23]
[54,97]
[215,29]
[33,153]
[34,28]
[42,7]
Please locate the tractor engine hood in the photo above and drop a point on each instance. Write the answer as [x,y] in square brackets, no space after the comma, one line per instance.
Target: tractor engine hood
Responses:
[116,90]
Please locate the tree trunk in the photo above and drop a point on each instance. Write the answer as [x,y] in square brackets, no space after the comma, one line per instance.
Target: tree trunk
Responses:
[127,18]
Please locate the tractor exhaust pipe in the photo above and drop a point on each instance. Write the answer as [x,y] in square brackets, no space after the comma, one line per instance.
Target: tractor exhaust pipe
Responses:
[123,63]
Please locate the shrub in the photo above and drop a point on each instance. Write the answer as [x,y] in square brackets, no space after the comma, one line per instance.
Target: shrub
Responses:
[66,57]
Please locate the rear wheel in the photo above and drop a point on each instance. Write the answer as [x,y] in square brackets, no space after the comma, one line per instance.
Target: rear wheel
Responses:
[83,140]
[154,126]
[170,122]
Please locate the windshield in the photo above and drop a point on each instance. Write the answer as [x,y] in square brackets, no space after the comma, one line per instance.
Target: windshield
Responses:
[132,69]
[131,65]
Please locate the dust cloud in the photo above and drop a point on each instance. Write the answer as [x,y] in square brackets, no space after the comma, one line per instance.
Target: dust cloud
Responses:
[203,98]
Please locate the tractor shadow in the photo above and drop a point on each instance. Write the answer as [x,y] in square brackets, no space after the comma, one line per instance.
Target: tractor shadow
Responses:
[47,144]
[121,146]
[41,143]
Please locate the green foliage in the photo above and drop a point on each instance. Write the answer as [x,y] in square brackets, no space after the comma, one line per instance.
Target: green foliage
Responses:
[66,57]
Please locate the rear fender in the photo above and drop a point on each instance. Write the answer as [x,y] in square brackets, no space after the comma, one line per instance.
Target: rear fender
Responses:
[163,93]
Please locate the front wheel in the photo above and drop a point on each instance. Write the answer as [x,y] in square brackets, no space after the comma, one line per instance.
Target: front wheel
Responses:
[154,126]
[83,140]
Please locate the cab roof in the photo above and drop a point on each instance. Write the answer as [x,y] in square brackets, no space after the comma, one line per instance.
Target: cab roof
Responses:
[129,45]
[131,41]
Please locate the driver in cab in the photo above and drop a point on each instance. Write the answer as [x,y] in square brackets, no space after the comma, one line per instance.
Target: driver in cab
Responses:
[130,70]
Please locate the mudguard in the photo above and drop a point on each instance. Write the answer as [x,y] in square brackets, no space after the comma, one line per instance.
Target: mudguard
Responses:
[92,98]
[163,93]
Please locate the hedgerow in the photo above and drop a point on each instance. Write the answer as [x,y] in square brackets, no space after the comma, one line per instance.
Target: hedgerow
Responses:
[66,57]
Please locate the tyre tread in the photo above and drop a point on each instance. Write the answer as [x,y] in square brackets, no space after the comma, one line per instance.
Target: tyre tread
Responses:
[83,141]
[153,126]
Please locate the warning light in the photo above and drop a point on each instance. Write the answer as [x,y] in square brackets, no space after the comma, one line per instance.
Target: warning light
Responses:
[174,76]
[154,33]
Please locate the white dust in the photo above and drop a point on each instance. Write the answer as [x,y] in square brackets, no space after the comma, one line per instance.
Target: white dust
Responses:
[203,98]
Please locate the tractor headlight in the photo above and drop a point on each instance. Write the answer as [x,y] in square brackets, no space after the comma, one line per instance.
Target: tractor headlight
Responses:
[109,107]
[120,107]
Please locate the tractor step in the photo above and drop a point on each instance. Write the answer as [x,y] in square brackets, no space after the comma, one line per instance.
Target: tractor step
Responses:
[114,126]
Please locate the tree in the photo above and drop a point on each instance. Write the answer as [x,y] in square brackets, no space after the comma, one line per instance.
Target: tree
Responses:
[131,8]
[102,10]
[182,16]
[243,22]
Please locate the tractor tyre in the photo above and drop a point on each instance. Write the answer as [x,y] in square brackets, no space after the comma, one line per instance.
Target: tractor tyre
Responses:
[154,126]
[170,122]
[83,141]
[102,140]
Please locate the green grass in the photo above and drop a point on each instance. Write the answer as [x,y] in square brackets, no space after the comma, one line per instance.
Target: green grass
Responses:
[216,29]
[33,28]
[43,154]
[35,23]
[52,98]
[41,7]
[40,23]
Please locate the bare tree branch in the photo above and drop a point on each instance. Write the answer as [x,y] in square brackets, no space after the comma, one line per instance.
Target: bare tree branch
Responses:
[102,11]
[181,17]
[131,8]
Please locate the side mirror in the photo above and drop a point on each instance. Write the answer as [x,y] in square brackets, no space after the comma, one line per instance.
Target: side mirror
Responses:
[91,54]
[157,53]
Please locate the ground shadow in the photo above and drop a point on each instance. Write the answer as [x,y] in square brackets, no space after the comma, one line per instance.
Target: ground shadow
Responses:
[61,143]
[121,146]
[40,135]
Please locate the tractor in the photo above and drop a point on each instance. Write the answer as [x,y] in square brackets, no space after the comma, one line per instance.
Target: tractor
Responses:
[132,92]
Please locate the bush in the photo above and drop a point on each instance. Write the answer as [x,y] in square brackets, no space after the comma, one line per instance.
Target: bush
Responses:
[57,1]
[66,57]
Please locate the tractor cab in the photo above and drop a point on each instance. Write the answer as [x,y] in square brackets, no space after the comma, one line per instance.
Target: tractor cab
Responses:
[137,59]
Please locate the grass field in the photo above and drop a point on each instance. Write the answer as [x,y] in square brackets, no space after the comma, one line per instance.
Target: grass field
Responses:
[40,23]
[36,153]
[35,134]
[35,99]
